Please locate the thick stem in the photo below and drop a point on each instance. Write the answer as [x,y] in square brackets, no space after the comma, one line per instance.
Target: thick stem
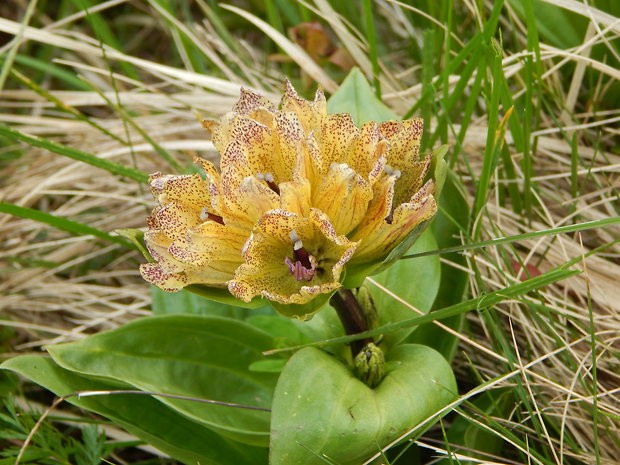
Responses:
[351,316]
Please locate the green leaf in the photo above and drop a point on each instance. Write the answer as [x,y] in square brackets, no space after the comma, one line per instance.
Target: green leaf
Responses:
[479,303]
[321,410]
[450,222]
[175,303]
[303,311]
[221,295]
[402,248]
[204,357]
[268,366]
[355,274]
[554,23]
[136,237]
[439,168]
[63,224]
[286,332]
[144,416]
[468,437]
[416,281]
[355,96]
[76,154]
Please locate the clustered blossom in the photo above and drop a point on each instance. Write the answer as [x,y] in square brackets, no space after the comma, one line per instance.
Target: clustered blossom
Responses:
[299,195]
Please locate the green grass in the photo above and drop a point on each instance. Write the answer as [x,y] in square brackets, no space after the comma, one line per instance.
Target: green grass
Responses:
[81,125]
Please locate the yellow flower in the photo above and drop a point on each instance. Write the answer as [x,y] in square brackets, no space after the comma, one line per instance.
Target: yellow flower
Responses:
[300,196]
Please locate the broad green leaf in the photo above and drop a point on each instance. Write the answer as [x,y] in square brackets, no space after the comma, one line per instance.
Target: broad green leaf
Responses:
[221,295]
[554,23]
[144,416]
[205,357]
[355,96]
[183,301]
[285,332]
[321,410]
[451,220]
[416,281]
[303,311]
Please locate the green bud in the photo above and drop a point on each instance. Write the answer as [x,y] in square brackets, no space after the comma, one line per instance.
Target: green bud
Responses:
[364,299]
[370,365]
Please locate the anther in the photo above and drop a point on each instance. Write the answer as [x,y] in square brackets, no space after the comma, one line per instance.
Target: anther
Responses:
[301,267]
[205,215]
[297,244]
[270,180]
[392,172]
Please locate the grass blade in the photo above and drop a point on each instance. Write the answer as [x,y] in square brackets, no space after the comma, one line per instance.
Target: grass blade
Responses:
[518,237]
[76,154]
[63,224]
[479,303]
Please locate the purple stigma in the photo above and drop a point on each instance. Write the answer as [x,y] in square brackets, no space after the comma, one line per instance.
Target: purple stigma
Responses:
[299,271]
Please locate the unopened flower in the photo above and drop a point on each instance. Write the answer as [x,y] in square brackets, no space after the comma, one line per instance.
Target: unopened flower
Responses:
[301,195]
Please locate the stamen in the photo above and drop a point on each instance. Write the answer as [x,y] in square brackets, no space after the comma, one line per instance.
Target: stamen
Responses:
[270,180]
[205,215]
[302,268]
[392,172]
[301,255]
[397,174]
[297,244]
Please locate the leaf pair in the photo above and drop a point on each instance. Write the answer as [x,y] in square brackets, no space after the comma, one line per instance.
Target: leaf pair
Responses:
[203,357]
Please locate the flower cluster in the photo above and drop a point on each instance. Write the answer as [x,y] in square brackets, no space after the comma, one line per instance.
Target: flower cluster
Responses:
[299,194]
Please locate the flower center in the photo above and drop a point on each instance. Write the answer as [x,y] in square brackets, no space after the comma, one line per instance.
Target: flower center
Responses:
[304,266]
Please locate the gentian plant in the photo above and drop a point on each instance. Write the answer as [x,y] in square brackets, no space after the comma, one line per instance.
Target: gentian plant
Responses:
[304,205]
